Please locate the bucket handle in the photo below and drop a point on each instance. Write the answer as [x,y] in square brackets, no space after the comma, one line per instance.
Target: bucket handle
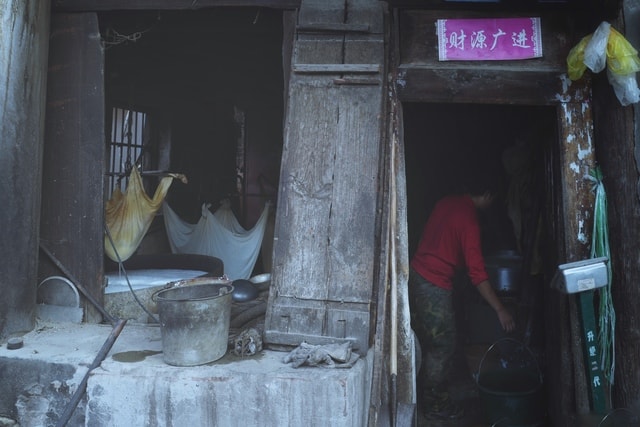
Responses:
[631,416]
[477,375]
[224,280]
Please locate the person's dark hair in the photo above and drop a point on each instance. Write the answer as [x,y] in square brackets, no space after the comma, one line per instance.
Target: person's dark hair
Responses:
[481,183]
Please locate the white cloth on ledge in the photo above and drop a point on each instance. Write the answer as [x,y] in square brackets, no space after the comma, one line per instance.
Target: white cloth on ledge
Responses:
[218,235]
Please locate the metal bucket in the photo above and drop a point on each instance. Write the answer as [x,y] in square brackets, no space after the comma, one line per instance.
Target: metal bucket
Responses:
[511,390]
[194,323]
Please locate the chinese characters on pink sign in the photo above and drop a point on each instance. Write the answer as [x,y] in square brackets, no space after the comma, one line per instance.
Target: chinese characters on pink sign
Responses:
[489,39]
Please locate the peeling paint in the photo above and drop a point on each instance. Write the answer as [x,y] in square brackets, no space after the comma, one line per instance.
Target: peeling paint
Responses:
[583,153]
[582,238]
[585,107]
[574,167]
[566,83]
[567,113]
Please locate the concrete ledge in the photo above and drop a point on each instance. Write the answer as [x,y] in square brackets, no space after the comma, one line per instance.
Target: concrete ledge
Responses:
[39,378]
[134,387]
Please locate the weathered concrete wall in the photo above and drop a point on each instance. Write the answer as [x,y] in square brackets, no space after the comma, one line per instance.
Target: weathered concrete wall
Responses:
[35,393]
[24,34]
[133,386]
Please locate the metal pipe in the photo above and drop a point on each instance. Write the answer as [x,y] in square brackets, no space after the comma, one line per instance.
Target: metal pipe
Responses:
[118,325]
[106,347]
[75,281]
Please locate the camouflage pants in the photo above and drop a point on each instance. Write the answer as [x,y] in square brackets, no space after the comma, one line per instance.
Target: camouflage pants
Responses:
[433,321]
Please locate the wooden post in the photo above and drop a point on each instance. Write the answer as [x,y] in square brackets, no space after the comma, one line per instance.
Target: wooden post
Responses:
[577,158]
[23,71]
[72,198]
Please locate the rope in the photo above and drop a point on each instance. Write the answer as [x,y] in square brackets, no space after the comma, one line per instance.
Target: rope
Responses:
[600,248]
[126,276]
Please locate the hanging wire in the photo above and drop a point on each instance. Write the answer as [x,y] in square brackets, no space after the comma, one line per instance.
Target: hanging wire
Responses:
[113,37]
[600,248]
[126,276]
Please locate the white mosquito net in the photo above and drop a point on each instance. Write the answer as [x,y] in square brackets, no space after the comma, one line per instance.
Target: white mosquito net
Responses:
[219,235]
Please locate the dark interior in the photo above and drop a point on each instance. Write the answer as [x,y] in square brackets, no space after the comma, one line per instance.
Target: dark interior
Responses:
[445,145]
[211,82]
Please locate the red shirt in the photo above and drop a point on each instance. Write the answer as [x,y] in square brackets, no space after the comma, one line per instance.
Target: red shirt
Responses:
[450,240]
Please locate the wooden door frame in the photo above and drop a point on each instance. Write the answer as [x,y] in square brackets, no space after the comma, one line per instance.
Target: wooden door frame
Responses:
[548,85]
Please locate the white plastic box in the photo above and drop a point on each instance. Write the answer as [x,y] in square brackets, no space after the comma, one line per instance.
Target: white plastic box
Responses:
[581,276]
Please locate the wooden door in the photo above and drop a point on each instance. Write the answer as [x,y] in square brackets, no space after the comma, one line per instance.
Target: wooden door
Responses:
[325,246]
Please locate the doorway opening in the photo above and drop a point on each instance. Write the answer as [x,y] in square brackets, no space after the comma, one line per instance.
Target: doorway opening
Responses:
[445,146]
[210,84]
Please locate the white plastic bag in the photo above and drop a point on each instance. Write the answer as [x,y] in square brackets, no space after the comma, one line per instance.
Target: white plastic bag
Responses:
[595,53]
[625,87]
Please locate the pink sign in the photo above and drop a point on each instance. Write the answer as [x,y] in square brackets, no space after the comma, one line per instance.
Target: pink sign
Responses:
[489,39]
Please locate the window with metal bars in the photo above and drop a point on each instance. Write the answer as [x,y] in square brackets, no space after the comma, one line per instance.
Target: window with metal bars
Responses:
[126,145]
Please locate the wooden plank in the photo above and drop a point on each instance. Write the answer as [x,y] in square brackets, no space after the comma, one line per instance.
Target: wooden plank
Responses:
[72,197]
[485,86]
[333,28]
[326,225]
[362,49]
[407,369]
[305,191]
[318,49]
[313,12]
[352,226]
[319,174]
[106,5]
[585,11]
[322,48]
[23,65]
[577,158]
[321,321]
[367,12]
[336,68]
[351,81]
[325,247]
[617,136]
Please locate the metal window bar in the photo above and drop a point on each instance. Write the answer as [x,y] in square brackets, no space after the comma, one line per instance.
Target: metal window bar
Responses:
[126,145]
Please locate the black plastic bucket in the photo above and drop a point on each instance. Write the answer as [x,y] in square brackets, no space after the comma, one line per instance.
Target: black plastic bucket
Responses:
[512,393]
[194,322]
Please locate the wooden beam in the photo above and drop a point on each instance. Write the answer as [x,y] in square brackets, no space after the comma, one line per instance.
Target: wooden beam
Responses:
[336,68]
[72,218]
[106,5]
[483,86]
[577,158]
[333,28]
[25,38]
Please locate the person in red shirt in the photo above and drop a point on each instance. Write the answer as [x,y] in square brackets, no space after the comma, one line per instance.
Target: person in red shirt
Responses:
[450,241]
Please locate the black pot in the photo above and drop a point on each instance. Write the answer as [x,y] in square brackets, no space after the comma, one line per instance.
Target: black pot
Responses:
[505,271]
[244,290]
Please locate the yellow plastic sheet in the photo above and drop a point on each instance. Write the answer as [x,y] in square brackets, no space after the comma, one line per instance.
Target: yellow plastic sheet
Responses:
[128,215]
[575,59]
[622,58]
